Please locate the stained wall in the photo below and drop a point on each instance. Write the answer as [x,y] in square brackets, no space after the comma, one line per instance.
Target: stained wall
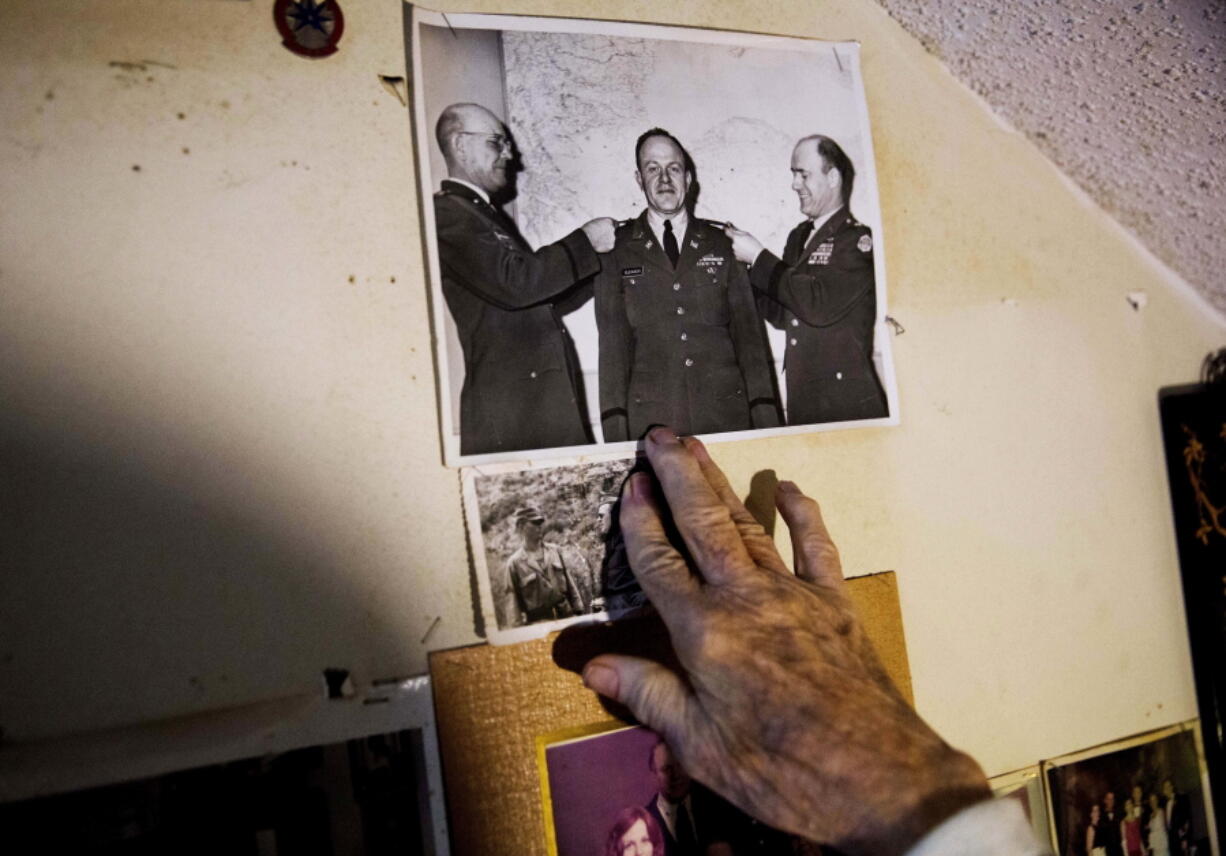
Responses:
[220,454]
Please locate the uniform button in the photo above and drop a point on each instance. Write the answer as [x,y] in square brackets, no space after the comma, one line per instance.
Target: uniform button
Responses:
[793,340]
[632,280]
[531,374]
[676,286]
[838,375]
[685,336]
[795,322]
[688,362]
[680,310]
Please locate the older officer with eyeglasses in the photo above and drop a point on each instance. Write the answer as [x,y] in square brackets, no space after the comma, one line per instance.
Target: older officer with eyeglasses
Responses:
[521,388]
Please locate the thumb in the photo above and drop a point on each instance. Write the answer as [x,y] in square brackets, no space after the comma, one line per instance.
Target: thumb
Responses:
[654,693]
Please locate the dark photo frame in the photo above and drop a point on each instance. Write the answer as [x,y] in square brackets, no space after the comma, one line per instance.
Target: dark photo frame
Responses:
[1194,436]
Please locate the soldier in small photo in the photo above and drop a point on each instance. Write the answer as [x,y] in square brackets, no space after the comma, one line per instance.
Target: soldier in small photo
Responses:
[521,373]
[542,586]
[681,342]
[822,293]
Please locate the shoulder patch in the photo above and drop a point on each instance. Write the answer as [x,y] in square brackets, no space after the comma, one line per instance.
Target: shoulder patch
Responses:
[865,244]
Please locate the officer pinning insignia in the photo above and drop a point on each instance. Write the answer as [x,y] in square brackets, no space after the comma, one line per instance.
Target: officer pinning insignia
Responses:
[865,243]
[821,256]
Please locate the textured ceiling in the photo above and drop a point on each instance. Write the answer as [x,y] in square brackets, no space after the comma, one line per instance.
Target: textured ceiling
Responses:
[1125,97]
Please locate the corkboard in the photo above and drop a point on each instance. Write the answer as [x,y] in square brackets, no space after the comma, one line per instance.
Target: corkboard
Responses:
[491,703]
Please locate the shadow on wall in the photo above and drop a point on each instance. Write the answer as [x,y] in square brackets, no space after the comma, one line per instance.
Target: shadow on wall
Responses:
[146,572]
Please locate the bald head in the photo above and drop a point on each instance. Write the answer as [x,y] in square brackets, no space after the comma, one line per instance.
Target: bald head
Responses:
[475,145]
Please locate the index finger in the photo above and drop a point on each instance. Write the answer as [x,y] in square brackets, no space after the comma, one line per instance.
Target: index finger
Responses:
[659,569]
[702,518]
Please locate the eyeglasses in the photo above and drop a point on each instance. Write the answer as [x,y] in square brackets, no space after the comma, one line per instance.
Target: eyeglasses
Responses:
[495,141]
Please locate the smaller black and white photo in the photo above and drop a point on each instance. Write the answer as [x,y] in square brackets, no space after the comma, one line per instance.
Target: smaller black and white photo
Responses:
[352,771]
[1145,796]
[547,547]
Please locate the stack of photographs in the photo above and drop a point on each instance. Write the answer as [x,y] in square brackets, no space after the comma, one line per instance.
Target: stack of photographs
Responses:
[606,787]
[628,225]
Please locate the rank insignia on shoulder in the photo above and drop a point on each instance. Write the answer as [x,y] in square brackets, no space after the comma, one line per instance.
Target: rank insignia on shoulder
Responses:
[634,271]
[865,243]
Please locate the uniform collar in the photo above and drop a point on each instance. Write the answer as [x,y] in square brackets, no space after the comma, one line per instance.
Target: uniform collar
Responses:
[472,188]
[818,223]
[691,243]
[827,226]
[680,221]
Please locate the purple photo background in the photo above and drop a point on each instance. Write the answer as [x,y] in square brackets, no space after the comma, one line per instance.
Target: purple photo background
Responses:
[591,780]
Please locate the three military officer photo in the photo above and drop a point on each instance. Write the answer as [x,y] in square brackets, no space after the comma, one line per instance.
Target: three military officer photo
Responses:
[628,225]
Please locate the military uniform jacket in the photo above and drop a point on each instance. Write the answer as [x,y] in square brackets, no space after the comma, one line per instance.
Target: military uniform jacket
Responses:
[823,296]
[520,369]
[541,581]
[684,347]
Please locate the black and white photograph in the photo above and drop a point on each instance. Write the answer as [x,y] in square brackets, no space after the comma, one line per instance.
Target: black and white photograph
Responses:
[1146,796]
[333,775]
[547,547]
[628,225]
[622,793]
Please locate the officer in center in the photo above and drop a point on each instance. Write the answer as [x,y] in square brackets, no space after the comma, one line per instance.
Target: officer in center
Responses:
[681,341]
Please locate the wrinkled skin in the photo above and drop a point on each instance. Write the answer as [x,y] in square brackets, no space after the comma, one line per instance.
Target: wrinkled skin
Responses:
[782,705]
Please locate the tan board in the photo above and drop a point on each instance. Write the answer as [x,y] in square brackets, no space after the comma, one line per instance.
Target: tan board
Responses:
[493,702]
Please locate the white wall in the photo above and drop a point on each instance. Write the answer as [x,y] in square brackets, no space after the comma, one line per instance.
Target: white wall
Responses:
[221,466]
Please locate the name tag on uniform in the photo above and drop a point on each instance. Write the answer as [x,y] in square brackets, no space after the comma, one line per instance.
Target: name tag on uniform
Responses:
[821,256]
[634,271]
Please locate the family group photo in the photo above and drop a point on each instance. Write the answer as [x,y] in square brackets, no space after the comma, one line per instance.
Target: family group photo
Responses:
[1145,800]
[624,793]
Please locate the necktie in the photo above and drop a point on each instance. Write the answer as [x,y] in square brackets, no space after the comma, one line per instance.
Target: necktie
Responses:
[670,243]
[806,230]
[687,839]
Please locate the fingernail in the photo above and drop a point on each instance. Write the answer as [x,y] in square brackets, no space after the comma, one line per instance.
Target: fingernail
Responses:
[696,446]
[788,487]
[602,679]
[663,436]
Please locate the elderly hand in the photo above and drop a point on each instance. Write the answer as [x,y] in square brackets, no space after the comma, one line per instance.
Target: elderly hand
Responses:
[600,233]
[745,246]
[781,704]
